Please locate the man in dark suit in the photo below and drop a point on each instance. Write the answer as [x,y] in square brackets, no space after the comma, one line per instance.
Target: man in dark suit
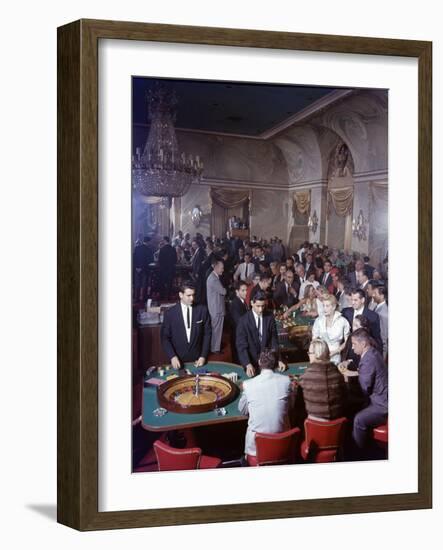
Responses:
[237,308]
[186,330]
[167,258]
[260,256]
[373,380]
[326,279]
[358,298]
[309,264]
[286,292]
[256,331]
[143,256]
[263,285]
[198,256]
[353,277]
[369,267]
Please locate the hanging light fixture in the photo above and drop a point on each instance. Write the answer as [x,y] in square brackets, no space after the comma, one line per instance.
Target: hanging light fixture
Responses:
[161,170]
[359,226]
[313,222]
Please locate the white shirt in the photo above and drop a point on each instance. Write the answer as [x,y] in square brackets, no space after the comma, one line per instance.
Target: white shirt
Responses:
[257,317]
[185,320]
[244,271]
[358,312]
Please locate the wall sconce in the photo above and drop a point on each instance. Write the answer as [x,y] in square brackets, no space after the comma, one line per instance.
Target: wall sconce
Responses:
[359,226]
[313,222]
[196,215]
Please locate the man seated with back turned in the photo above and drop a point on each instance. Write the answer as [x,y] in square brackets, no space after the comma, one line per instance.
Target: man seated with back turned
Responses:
[186,330]
[266,399]
[256,331]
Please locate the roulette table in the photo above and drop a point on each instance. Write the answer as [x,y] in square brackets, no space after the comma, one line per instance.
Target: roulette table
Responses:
[172,419]
[197,393]
[294,335]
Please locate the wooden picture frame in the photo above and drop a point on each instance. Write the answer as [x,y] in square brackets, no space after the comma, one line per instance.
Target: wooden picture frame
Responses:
[78,275]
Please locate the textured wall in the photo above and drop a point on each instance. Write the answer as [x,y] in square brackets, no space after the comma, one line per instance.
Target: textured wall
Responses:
[361,121]
[197,195]
[236,159]
[296,157]
[270,211]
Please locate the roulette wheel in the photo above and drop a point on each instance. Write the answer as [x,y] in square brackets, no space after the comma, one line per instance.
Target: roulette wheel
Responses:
[195,394]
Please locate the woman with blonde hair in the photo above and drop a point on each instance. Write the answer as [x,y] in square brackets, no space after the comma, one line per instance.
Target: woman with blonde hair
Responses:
[332,327]
[324,389]
[307,305]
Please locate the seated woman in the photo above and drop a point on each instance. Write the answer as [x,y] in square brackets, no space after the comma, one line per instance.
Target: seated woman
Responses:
[324,390]
[332,327]
[307,305]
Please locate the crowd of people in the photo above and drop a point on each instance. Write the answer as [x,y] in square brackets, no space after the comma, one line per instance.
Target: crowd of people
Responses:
[240,285]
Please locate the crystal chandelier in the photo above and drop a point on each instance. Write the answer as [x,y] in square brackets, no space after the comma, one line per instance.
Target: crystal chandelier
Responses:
[161,170]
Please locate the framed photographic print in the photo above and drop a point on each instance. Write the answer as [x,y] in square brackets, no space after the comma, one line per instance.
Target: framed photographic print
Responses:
[235,211]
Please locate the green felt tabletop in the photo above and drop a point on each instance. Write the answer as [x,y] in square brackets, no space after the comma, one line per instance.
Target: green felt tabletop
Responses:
[173,421]
[284,343]
[300,320]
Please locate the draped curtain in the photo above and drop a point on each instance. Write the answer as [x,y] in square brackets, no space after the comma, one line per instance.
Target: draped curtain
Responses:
[227,202]
[341,200]
[229,198]
[302,201]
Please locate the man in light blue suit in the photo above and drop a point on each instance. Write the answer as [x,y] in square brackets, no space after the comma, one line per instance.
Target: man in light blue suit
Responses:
[215,293]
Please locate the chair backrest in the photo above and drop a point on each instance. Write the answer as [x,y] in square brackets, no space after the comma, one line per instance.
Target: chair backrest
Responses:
[276,448]
[169,458]
[325,434]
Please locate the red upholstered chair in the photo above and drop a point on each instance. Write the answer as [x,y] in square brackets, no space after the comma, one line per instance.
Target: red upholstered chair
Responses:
[279,448]
[323,439]
[380,434]
[169,458]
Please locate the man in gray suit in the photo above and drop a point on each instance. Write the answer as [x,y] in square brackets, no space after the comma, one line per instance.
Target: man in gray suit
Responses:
[266,399]
[216,293]
[379,297]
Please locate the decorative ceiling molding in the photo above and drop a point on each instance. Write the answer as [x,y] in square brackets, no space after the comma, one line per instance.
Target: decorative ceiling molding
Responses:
[313,109]
[244,184]
[380,176]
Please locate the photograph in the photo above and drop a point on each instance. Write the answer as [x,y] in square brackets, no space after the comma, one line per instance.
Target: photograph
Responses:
[259,244]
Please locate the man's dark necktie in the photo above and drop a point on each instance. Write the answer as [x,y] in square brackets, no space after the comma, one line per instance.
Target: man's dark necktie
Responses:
[188,318]
[259,329]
